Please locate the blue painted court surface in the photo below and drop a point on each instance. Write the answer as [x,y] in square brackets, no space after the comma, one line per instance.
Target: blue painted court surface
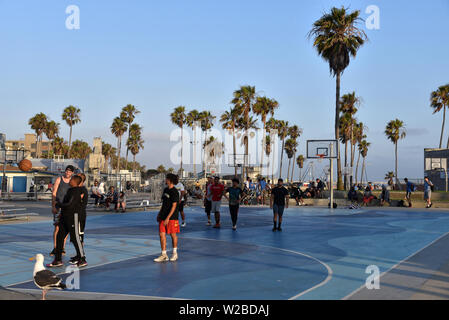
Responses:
[319,255]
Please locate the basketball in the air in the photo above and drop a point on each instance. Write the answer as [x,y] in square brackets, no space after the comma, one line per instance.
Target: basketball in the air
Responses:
[25,165]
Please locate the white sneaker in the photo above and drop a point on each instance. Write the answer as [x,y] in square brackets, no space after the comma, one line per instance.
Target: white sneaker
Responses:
[208,223]
[162,258]
[234,228]
[174,257]
[183,224]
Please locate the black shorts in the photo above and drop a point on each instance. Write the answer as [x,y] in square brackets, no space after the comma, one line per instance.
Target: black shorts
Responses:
[207,206]
[181,206]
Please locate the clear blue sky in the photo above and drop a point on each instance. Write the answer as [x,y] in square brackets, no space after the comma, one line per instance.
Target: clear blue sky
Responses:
[161,54]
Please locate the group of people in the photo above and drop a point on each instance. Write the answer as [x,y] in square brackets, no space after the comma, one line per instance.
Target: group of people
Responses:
[173,203]
[367,198]
[118,199]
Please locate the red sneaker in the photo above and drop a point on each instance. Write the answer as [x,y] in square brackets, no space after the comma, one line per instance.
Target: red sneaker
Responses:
[217,226]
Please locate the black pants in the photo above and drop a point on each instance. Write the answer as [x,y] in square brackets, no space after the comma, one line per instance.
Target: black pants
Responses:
[82,226]
[207,206]
[69,224]
[234,210]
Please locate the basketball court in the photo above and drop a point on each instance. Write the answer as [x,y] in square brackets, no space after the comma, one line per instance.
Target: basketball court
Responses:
[321,254]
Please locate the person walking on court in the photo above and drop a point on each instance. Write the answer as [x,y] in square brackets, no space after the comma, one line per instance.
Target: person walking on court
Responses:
[428,186]
[235,195]
[217,189]
[60,189]
[182,194]
[208,199]
[168,219]
[278,202]
[408,194]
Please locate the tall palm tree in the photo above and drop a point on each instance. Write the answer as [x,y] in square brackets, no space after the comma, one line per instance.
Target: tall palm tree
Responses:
[229,122]
[363,147]
[51,131]
[395,131]
[161,169]
[290,150]
[263,107]
[192,119]
[439,99]
[272,126]
[294,132]
[300,163]
[245,98]
[38,123]
[207,122]
[282,127]
[71,116]
[128,115]
[118,128]
[135,142]
[336,39]
[178,118]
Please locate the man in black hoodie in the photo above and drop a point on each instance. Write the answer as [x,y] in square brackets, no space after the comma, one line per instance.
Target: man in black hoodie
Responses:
[71,209]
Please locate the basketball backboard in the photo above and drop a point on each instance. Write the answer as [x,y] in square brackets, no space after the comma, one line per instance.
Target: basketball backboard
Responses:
[238,160]
[322,149]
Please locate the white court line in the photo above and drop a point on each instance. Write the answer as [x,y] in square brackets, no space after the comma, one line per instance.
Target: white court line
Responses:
[396,265]
[325,281]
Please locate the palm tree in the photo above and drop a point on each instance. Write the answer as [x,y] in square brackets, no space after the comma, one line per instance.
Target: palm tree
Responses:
[161,169]
[439,99]
[207,122]
[363,147]
[346,122]
[135,142]
[128,114]
[359,135]
[51,131]
[395,131]
[300,163]
[290,150]
[282,127]
[59,146]
[263,107]
[38,123]
[229,122]
[272,127]
[245,97]
[118,128]
[192,119]
[294,132]
[80,150]
[336,39]
[71,116]
[178,118]
[108,151]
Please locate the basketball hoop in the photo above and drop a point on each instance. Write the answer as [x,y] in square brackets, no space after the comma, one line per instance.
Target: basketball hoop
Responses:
[320,157]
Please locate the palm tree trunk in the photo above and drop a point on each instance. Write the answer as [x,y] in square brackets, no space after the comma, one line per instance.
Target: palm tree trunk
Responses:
[357,169]
[119,146]
[234,149]
[346,165]
[442,128]
[293,167]
[194,150]
[70,142]
[351,179]
[396,164]
[182,147]
[337,131]
[263,146]
[363,169]
[282,157]
[288,171]
[134,162]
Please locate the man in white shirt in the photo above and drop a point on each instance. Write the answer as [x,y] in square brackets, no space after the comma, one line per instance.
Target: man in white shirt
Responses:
[182,193]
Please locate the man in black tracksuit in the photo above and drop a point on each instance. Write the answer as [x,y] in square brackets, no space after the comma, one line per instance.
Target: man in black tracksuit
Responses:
[71,209]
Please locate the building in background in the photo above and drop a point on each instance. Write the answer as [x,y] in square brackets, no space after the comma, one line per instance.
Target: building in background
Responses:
[29,143]
[435,167]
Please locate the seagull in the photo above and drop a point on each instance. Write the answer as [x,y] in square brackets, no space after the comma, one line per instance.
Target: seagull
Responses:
[45,279]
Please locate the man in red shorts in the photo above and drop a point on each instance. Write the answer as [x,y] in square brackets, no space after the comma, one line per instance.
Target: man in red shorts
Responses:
[168,218]
[217,190]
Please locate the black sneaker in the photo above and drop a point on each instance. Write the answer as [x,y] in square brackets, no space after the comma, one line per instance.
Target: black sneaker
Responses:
[55,264]
[81,263]
[279,229]
[274,229]
[53,252]
[74,260]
